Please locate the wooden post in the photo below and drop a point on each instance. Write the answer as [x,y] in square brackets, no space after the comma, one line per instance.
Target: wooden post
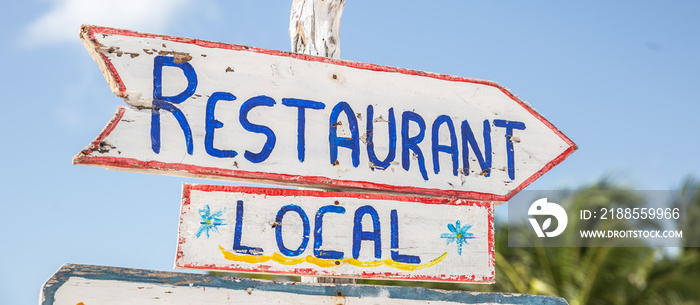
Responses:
[314,27]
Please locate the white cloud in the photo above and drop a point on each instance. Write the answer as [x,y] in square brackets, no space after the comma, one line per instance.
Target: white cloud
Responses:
[62,22]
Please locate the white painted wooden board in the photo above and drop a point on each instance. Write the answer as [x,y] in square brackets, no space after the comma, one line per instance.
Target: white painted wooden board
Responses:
[304,232]
[91,285]
[223,111]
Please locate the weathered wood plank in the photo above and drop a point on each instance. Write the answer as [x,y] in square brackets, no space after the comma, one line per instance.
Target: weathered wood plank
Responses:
[314,26]
[231,112]
[90,285]
[305,232]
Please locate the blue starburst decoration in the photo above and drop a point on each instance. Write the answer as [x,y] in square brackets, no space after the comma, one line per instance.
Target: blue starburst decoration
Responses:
[458,234]
[210,222]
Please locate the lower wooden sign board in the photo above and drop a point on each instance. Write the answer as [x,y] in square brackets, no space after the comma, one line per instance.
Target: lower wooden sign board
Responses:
[89,285]
[337,234]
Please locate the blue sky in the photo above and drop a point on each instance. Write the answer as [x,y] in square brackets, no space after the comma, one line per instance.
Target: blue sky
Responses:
[617,77]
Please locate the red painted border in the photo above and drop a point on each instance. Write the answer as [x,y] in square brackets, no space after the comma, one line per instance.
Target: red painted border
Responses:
[188,188]
[87,159]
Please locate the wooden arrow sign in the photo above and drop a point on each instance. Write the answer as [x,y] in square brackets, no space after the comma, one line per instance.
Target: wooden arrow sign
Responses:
[222,111]
[304,232]
[90,285]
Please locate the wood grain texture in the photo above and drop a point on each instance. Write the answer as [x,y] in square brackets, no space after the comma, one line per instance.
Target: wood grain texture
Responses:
[314,27]
[90,285]
[427,133]
[305,232]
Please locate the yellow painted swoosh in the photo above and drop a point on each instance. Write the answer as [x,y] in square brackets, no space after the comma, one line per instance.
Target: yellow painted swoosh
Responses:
[252,259]
[327,263]
[371,264]
[412,267]
[323,263]
[286,260]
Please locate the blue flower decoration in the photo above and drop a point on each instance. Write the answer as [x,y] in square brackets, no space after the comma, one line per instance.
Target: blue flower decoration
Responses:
[210,221]
[458,234]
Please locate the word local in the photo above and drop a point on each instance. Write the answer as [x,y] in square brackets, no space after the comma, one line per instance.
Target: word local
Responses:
[409,144]
[358,233]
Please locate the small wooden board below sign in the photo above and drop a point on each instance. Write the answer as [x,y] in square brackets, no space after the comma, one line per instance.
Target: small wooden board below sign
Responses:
[88,285]
[319,233]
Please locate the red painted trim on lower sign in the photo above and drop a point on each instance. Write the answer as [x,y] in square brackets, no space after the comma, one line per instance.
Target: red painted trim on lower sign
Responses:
[187,188]
[365,275]
[492,243]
